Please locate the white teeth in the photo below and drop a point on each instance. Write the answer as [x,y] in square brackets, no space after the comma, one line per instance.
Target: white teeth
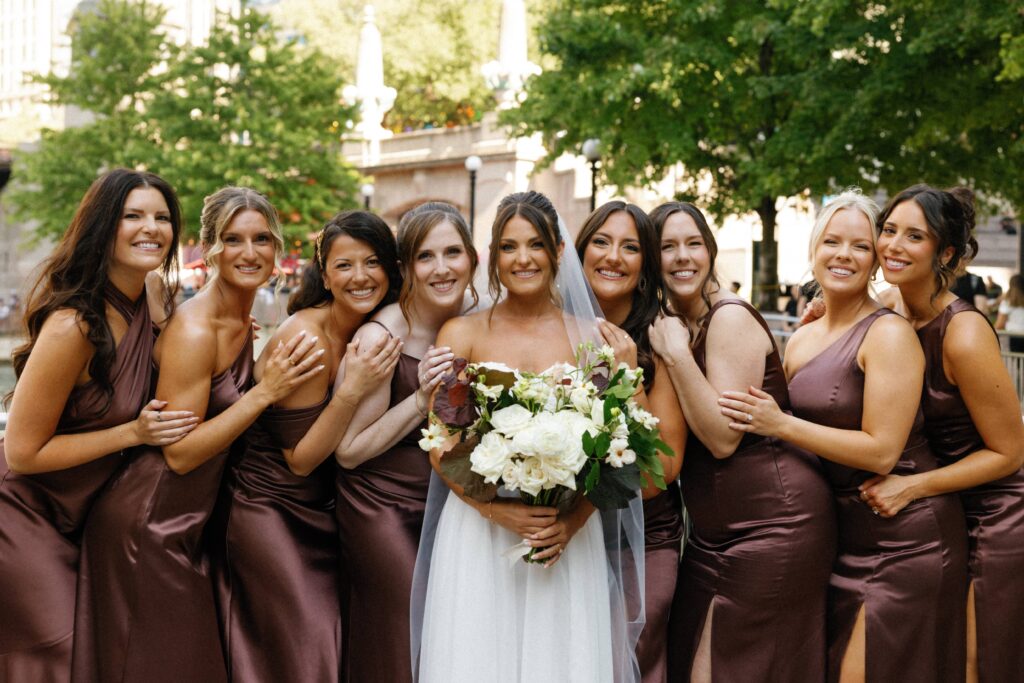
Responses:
[525,273]
[841,272]
[362,293]
[249,269]
[892,264]
[445,286]
[147,245]
[684,273]
[611,273]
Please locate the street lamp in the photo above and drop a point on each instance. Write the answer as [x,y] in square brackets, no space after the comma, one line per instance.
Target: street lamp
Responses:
[367,191]
[592,153]
[473,164]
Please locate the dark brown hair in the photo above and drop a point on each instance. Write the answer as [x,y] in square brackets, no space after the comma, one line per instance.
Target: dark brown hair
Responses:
[74,276]
[649,295]
[536,209]
[661,214]
[949,215]
[412,230]
[360,225]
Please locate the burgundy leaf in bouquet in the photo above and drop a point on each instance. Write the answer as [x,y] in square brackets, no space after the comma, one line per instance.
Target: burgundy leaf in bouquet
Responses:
[457,468]
[451,404]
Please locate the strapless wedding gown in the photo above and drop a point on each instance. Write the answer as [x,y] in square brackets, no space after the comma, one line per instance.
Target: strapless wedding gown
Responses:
[489,618]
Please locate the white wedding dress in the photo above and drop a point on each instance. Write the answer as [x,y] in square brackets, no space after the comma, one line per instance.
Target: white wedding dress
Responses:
[489,619]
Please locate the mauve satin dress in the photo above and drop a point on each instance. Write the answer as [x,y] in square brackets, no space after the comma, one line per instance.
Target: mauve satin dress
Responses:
[146,609]
[663,537]
[995,515]
[380,513]
[760,553]
[274,550]
[910,571]
[41,515]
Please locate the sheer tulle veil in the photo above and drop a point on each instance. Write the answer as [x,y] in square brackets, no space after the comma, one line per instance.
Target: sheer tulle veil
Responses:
[623,529]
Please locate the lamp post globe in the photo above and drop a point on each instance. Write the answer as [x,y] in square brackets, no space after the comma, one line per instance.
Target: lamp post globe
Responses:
[367,191]
[592,153]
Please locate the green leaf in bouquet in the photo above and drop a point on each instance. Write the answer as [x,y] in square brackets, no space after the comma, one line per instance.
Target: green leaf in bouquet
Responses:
[588,444]
[664,448]
[601,446]
[650,464]
[592,478]
[621,391]
[616,378]
[616,487]
[455,465]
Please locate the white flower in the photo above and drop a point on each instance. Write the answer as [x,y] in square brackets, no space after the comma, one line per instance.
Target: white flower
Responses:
[629,375]
[597,412]
[510,475]
[491,393]
[606,354]
[490,457]
[433,437]
[511,419]
[532,477]
[643,417]
[619,453]
[621,431]
[582,397]
[532,389]
[499,367]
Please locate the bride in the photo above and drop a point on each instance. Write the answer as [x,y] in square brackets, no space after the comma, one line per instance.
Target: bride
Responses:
[486,617]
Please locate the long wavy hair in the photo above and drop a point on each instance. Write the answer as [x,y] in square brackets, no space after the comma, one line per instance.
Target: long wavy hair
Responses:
[360,225]
[221,207]
[74,276]
[412,230]
[539,212]
[649,296]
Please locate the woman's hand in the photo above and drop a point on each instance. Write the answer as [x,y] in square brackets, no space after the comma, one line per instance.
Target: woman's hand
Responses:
[553,540]
[435,364]
[289,365]
[755,412]
[622,344]
[814,309]
[153,427]
[670,339]
[518,517]
[367,368]
[888,494]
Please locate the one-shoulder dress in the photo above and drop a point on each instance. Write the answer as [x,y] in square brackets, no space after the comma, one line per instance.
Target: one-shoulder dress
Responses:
[146,609]
[275,558]
[908,572]
[380,514]
[41,515]
[760,553]
[994,511]
[663,539]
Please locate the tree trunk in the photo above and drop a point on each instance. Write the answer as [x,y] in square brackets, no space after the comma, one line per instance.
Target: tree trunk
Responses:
[766,281]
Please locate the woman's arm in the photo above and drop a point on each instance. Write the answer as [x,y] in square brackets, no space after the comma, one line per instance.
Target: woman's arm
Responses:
[971,359]
[893,365]
[735,359]
[188,365]
[664,405]
[59,358]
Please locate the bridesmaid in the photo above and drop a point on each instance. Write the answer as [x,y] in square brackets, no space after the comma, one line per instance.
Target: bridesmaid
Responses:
[145,600]
[619,251]
[277,572]
[972,417]
[384,475]
[899,583]
[750,599]
[79,404]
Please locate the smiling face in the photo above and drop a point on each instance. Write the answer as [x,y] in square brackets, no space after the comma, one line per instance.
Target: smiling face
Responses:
[144,232]
[844,257]
[906,247]
[524,267]
[354,274]
[612,259]
[685,259]
[247,256]
[441,267]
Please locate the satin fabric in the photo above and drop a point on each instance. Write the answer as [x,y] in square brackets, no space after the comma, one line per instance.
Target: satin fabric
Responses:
[663,536]
[146,607]
[380,509]
[41,515]
[908,572]
[275,558]
[994,511]
[759,555]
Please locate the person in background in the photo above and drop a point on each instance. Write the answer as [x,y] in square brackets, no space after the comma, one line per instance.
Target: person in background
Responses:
[971,288]
[1011,313]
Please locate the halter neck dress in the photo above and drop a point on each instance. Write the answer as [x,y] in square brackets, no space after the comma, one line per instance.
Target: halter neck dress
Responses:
[908,572]
[41,515]
[760,552]
[380,508]
[994,511]
[146,609]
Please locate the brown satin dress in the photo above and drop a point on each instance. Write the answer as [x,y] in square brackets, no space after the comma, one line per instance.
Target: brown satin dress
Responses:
[760,554]
[146,609]
[994,511]
[380,513]
[909,572]
[663,539]
[274,550]
[41,515]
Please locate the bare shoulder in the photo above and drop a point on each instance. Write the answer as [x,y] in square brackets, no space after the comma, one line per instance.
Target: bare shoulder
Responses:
[460,332]
[370,333]
[969,336]
[391,317]
[890,298]
[892,329]
[308,320]
[892,340]
[735,324]
[66,327]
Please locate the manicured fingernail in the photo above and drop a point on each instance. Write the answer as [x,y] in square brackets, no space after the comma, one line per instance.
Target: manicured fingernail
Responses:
[321,352]
[319,367]
[315,339]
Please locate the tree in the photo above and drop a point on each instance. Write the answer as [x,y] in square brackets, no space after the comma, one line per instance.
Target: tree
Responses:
[246,109]
[764,100]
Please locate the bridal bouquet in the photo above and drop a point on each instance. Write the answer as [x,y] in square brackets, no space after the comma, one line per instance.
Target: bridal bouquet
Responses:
[549,436]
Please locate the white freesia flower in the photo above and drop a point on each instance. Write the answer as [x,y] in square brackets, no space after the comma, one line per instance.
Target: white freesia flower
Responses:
[619,453]
[491,392]
[642,416]
[597,412]
[532,477]
[433,437]
[582,397]
[490,457]
[511,419]
[621,431]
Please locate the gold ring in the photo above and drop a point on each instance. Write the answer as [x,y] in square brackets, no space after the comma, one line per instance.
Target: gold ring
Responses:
[292,361]
[159,417]
[750,418]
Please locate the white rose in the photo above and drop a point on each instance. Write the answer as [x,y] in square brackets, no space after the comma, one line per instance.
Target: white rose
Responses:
[511,419]
[576,426]
[510,475]
[546,436]
[490,456]
[619,453]
[532,477]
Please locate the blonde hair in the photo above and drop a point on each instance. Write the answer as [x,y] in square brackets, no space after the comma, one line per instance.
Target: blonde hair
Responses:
[850,198]
[221,207]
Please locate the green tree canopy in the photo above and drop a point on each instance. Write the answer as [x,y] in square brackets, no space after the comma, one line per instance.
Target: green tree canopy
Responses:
[246,109]
[761,100]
